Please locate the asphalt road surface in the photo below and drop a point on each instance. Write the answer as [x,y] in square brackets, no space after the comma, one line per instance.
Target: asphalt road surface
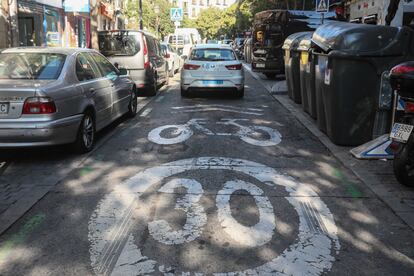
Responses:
[201,186]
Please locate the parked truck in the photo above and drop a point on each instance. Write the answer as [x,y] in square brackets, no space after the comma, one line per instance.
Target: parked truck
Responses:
[376,11]
[271,28]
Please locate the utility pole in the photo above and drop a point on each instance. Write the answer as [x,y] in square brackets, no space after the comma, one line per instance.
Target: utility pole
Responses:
[141,25]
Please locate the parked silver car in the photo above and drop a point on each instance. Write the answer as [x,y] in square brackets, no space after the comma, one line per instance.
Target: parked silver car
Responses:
[52,96]
[212,67]
[140,53]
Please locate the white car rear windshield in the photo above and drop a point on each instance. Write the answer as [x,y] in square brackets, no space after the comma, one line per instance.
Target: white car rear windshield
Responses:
[212,54]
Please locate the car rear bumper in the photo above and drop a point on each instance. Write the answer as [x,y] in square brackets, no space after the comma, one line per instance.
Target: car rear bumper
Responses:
[197,83]
[269,66]
[33,134]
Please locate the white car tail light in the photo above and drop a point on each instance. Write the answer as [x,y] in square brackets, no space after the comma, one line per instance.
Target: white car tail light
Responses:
[234,67]
[191,66]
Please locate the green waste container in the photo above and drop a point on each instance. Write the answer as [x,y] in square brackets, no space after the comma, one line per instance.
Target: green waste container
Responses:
[350,59]
[290,46]
[307,75]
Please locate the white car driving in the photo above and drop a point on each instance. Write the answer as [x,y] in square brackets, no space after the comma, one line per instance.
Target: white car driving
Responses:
[212,67]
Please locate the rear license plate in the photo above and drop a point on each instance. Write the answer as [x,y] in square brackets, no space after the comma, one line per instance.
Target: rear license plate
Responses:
[260,65]
[401,132]
[4,108]
[212,82]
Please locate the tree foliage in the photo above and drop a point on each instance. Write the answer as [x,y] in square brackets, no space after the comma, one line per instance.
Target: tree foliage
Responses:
[151,20]
[262,5]
[214,23]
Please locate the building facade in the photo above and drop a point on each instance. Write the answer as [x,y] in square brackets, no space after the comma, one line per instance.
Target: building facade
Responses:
[192,8]
[64,23]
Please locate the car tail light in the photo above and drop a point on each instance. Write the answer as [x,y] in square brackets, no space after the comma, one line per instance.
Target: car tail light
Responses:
[146,58]
[234,67]
[167,55]
[409,107]
[191,66]
[39,105]
[402,69]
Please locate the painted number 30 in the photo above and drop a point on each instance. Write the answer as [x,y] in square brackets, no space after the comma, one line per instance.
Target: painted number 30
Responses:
[252,236]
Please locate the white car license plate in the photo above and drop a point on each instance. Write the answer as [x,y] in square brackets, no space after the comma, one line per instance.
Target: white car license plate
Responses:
[260,65]
[4,108]
[212,82]
[401,132]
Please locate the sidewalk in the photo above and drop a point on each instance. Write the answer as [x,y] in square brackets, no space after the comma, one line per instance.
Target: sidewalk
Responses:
[376,174]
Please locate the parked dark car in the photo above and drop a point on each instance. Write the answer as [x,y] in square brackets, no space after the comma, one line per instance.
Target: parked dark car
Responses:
[140,53]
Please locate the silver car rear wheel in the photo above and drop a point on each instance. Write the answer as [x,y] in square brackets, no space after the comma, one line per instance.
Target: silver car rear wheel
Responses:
[85,140]
[133,105]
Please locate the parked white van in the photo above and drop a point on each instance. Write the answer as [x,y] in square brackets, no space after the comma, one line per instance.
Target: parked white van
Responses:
[183,40]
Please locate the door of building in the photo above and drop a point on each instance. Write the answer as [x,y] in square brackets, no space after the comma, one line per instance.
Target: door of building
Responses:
[26,31]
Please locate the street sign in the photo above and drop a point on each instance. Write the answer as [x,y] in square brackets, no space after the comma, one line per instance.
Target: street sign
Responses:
[322,5]
[176,14]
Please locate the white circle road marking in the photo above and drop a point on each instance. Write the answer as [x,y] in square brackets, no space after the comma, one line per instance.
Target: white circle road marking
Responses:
[256,235]
[196,217]
[182,133]
[275,136]
[113,249]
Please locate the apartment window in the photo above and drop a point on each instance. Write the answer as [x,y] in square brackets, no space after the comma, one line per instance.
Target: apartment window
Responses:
[217,2]
[194,2]
[224,3]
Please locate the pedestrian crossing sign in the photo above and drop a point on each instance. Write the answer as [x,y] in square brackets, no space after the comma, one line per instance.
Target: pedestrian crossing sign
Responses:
[176,14]
[322,5]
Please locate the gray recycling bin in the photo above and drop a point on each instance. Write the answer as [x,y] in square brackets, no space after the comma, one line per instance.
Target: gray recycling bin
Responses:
[349,61]
[307,75]
[292,65]
[319,71]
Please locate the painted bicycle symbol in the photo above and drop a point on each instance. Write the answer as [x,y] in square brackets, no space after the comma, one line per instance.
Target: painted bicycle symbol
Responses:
[251,134]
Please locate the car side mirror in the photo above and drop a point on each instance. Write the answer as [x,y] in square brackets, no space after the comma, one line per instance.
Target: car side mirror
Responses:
[123,71]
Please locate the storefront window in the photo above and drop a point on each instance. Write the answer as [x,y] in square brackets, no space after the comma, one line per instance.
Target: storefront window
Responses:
[52,28]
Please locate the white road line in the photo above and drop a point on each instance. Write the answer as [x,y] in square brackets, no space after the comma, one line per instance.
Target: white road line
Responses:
[160,98]
[216,105]
[218,109]
[146,112]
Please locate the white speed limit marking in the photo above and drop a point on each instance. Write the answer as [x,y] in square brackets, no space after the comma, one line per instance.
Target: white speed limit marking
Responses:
[257,235]
[196,217]
[115,250]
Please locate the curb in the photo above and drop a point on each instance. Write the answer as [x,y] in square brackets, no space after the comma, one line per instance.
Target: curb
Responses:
[402,206]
